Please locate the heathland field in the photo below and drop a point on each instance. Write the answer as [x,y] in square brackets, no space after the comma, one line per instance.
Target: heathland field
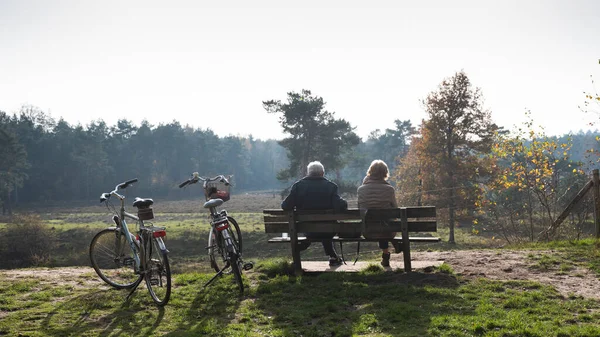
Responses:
[482,289]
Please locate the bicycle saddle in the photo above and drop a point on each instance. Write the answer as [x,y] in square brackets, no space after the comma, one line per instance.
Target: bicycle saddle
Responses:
[139,202]
[213,203]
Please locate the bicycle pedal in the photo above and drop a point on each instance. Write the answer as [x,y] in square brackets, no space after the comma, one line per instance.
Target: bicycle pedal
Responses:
[248,265]
[154,282]
[128,262]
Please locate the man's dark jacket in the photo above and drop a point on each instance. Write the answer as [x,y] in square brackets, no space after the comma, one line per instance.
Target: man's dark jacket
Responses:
[314,193]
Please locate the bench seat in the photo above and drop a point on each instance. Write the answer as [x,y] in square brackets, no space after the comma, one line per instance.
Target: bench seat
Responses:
[280,239]
[402,220]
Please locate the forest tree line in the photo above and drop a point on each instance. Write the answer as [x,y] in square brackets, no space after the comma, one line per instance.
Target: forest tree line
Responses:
[458,159]
[47,160]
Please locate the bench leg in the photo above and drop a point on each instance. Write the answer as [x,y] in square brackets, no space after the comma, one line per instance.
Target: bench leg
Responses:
[296,255]
[405,243]
[406,253]
[294,240]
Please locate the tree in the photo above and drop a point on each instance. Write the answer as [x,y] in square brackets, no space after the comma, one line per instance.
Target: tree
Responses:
[90,158]
[458,132]
[31,127]
[234,159]
[408,176]
[393,144]
[13,162]
[592,100]
[535,177]
[315,133]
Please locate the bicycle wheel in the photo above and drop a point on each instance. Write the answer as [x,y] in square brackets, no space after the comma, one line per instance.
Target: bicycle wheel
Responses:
[158,273]
[113,259]
[237,270]
[216,247]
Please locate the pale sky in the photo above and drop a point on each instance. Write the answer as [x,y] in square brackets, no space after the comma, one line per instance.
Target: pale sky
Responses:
[210,64]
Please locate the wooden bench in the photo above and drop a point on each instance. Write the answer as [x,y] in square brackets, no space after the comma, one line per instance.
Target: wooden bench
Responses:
[349,223]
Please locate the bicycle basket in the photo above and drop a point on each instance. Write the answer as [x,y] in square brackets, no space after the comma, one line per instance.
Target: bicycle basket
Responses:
[218,190]
[145,213]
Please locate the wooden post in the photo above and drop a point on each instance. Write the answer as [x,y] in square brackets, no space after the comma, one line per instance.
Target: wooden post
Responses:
[574,202]
[596,180]
[294,240]
[405,240]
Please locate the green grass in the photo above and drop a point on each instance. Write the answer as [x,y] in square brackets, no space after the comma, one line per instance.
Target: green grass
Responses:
[369,303]
[186,240]
[564,256]
[464,239]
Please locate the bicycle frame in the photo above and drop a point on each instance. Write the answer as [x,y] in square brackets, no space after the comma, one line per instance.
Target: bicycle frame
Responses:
[219,237]
[140,256]
[124,229]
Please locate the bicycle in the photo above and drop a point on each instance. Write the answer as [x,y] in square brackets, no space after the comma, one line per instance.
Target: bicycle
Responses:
[122,259]
[224,238]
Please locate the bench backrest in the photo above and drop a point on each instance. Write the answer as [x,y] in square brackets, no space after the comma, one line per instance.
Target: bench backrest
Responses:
[418,219]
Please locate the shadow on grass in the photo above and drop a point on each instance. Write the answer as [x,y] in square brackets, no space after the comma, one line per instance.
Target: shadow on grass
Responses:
[346,304]
[205,311]
[95,312]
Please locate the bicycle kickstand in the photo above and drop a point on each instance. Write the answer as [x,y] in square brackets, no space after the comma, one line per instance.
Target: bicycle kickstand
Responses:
[135,286]
[216,275]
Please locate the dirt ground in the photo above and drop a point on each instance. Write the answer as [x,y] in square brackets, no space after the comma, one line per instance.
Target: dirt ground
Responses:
[514,265]
[469,264]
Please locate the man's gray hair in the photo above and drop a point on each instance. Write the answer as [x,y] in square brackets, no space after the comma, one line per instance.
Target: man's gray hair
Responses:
[315,168]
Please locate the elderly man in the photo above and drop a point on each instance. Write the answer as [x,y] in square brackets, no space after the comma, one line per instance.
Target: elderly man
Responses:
[315,192]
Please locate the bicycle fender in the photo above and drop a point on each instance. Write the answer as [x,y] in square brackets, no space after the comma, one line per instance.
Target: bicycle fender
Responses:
[161,244]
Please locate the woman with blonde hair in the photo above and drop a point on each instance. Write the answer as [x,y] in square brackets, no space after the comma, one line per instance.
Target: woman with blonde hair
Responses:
[376,192]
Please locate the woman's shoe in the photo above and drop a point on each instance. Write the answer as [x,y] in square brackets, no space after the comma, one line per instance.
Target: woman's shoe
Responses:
[335,261]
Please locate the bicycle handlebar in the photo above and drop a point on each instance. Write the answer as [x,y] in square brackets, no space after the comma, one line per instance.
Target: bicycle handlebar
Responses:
[123,185]
[196,178]
[127,183]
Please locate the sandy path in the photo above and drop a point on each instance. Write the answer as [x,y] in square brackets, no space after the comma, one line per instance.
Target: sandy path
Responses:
[514,265]
[470,264]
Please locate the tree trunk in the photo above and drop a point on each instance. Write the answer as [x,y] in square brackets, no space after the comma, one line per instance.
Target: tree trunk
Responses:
[306,158]
[596,180]
[451,203]
[451,207]
[7,203]
[87,182]
[530,211]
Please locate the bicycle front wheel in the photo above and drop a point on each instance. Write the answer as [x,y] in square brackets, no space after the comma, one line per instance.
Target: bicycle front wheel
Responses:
[237,271]
[158,272]
[216,247]
[113,259]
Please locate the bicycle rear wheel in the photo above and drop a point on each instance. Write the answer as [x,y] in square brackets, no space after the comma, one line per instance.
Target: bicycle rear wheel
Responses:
[237,271]
[113,259]
[158,272]
[216,247]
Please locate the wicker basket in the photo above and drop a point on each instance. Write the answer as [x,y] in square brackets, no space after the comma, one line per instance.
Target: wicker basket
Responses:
[218,190]
[145,213]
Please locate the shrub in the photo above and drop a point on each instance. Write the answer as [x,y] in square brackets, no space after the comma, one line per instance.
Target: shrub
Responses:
[26,242]
[446,269]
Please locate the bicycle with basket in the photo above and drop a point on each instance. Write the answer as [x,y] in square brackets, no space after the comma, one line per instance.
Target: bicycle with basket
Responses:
[225,237]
